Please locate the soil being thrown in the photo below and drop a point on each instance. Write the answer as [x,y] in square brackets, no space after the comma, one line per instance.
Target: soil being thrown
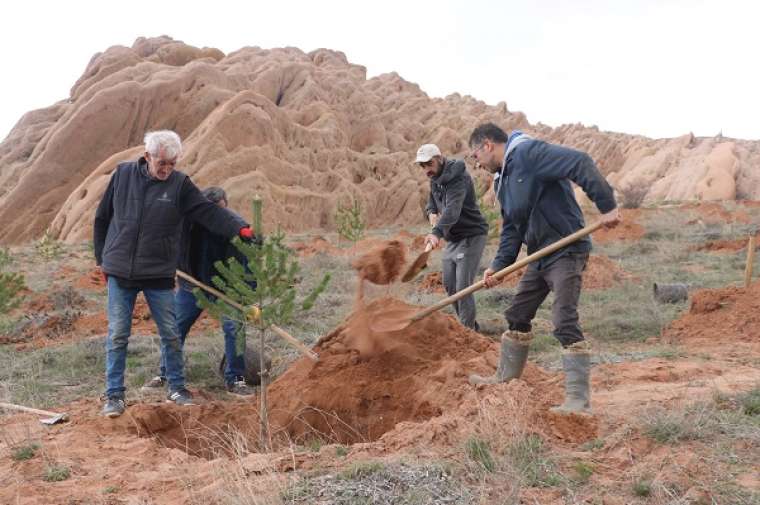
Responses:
[383,264]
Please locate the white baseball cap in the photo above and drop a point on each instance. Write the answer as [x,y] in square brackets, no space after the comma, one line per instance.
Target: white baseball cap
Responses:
[426,152]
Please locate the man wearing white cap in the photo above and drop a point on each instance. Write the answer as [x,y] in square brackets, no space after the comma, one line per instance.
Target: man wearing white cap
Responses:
[453,212]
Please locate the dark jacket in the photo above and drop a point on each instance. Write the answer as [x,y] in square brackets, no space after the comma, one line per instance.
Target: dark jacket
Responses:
[138,222]
[538,206]
[201,248]
[452,197]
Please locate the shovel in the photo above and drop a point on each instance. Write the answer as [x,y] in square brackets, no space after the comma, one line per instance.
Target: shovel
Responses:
[53,419]
[400,319]
[279,331]
[419,264]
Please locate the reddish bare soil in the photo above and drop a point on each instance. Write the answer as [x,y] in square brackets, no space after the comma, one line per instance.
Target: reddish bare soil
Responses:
[387,394]
[714,212]
[628,229]
[727,246]
[720,316]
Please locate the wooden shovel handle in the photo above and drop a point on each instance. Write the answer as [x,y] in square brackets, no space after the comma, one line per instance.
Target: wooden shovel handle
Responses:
[508,270]
[11,406]
[226,299]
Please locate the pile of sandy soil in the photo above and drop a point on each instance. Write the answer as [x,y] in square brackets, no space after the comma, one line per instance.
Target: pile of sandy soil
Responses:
[628,229]
[719,316]
[727,246]
[715,213]
[397,387]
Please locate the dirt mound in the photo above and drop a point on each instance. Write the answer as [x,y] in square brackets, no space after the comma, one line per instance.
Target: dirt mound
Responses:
[317,245]
[628,229]
[718,316]
[91,281]
[383,264]
[726,246]
[602,273]
[368,385]
[714,212]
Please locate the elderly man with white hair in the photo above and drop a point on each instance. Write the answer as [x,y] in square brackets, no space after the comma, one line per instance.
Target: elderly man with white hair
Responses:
[136,238]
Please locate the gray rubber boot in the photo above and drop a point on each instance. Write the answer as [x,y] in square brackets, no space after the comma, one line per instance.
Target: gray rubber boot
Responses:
[577,390]
[514,354]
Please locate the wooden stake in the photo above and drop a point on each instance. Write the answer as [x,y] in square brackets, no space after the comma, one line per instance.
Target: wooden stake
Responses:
[750,261]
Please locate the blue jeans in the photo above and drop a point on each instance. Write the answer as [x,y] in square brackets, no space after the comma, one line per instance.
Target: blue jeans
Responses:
[121,304]
[187,312]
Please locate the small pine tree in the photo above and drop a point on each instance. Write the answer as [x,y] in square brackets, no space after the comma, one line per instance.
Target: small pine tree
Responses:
[11,284]
[48,247]
[349,221]
[271,265]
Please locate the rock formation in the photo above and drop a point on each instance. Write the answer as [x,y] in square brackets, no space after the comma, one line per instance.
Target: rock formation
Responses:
[305,131]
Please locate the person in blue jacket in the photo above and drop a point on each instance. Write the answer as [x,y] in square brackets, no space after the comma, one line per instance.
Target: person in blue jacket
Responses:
[538,207]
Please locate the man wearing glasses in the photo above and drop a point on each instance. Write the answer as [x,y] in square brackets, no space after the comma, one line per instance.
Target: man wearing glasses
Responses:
[538,207]
[454,215]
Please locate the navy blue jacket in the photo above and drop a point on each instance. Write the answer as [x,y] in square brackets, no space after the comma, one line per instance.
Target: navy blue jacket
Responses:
[538,206]
[201,248]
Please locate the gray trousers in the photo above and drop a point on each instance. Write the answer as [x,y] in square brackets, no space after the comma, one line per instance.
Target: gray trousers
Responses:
[564,278]
[460,266]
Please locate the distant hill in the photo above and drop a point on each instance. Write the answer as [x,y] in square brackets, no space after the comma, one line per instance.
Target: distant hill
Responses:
[306,131]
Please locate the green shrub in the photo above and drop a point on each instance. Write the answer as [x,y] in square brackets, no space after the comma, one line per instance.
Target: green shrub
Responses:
[56,473]
[349,221]
[479,452]
[11,285]
[24,452]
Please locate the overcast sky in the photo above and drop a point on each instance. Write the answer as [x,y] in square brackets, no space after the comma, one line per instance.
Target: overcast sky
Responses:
[656,68]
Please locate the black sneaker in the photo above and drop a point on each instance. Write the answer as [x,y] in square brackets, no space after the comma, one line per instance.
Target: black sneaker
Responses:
[239,388]
[155,383]
[181,397]
[114,407]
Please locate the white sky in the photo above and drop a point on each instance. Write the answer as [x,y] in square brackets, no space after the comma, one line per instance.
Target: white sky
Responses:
[657,68]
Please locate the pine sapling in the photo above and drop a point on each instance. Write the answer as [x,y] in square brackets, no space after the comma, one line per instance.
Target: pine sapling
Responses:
[349,221]
[266,282]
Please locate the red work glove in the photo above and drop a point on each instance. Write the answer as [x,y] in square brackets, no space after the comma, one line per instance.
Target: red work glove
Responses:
[246,233]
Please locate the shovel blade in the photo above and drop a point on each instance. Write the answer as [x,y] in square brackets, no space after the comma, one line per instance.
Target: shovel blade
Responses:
[389,325]
[418,266]
[60,418]
[392,320]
